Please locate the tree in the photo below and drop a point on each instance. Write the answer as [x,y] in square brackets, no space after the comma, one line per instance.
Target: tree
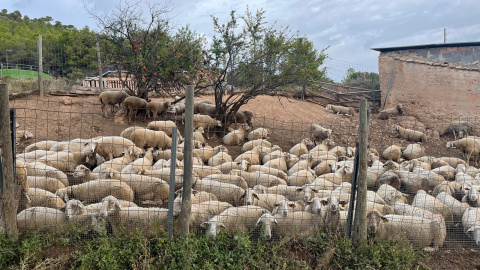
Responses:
[257,57]
[361,79]
[142,49]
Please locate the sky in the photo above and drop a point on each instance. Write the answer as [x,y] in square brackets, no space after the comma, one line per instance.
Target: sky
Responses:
[350,28]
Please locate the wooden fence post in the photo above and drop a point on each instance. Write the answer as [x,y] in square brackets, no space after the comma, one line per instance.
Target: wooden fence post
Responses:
[11,194]
[100,68]
[40,65]
[361,209]
[188,162]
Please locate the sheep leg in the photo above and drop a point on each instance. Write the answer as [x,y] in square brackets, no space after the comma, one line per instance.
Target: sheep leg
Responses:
[103,110]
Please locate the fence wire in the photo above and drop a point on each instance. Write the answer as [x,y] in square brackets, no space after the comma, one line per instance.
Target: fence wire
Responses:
[112,175]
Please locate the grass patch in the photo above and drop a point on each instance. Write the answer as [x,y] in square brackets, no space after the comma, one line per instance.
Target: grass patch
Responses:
[198,252]
[21,74]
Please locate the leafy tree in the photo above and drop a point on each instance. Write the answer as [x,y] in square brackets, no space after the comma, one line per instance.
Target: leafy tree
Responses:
[145,49]
[257,57]
[361,79]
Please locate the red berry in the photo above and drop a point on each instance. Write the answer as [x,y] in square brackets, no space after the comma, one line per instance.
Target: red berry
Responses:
[144,68]
[135,50]
[134,41]
[201,70]
[135,46]
[99,69]
[158,57]
[208,75]
[133,76]
[181,55]
[155,74]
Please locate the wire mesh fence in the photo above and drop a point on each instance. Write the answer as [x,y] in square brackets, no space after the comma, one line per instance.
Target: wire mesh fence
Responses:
[273,178]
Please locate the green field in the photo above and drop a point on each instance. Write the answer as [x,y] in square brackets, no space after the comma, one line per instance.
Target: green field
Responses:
[21,74]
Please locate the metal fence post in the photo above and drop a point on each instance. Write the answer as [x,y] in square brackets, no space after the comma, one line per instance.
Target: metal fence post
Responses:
[13,128]
[353,192]
[171,192]
[40,65]
[188,162]
[100,69]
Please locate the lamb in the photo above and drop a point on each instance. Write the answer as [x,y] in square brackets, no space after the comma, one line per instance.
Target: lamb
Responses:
[111,147]
[419,231]
[118,164]
[340,109]
[259,178]
[165,126]
[458,127]
[469,146]
[410,134]
[111,98]
[413,151]
[176,109]
[207,152]
[149,221]
[236,137]
[266,201]
[227,167]
[393,152]
[225,192]
[457,208]
[319,133]
[49,184]
[198,135]
[257,134]
[244,117]
[301,148]
[252,156]
[387,113]
[390,195]
[157,108]
[134,105]
[22,134]
[67,161]
[268,170]
[471,223]
[236,219]
[390,177]
[333,216]
[300,178]
[471,194]
[344,174]
[41,197]
[150,138]
[228,178]
[206,122]
[430,203]
[298,223]
[255,143]
[41,169]
[34,155]
[42,145]
[219,159]
[95,190]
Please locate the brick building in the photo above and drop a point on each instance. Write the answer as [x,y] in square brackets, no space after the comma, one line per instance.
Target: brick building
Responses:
[445,76]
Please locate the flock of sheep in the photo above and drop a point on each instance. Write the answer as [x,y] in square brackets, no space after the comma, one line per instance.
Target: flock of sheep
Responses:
[120,183]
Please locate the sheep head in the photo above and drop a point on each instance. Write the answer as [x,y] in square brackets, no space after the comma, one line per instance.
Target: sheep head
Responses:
[267,220]
[475,230]
[373,221]
[315,205]
[283,207]
[212,227]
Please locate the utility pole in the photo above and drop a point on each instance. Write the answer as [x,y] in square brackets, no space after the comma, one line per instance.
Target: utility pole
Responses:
[444,35]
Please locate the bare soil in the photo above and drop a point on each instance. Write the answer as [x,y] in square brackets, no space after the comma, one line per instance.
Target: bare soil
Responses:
[287,118]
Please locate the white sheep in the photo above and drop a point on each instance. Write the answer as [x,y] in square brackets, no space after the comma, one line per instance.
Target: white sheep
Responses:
[413,151]
[451,188]
[448,172]
[237,136]
[75,145]
[279,163]
[286,207]
[202,171]
[201,212]
[259,133]
[111,98]
[34,155]
[219,159]
[157,108]
[47,183]
[291,193]
[151,138]
[41,197]
[225,192]
[319,133]
[340,110]
[419,231]
[471,223]
[165,126]
[111,147]
[234,219]
[227,167]
[300,178]
[391,195]
[324,146]
[387,113]
[302,147]
[206,122]
[410,134]
[41,169]
[196,197]
[255,143]
[95,190]
[297,224]
[457,208]
[430,203]
[259,178]
[333,216]
[267,201]
[67,161]
[198,135]
[22,134]
[231,178]
[252,156]
[119,163]
[393,152]
[344,174]
[268,170]
[470,146]
[207,152]
[42,145]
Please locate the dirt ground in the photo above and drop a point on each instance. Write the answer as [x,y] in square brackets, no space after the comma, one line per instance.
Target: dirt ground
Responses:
[287,118]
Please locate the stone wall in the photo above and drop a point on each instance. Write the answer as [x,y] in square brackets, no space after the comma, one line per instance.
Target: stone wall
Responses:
[452,89]
[464,55]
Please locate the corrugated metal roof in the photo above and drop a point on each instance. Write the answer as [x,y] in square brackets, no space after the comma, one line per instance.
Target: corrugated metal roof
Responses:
[426,46]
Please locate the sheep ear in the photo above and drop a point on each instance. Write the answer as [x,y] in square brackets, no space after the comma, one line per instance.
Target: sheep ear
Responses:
[258,221]
[300,189]
[343,203]
[221,225]
[324,202]
[255,195]
[194,192]
[204,225]
[309,202]
[275,220]
[65,198]
[315,190]
[292,205]
[384,219]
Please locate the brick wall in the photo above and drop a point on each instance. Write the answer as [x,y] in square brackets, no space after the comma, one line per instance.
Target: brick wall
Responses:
[448,88]
[464,55]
